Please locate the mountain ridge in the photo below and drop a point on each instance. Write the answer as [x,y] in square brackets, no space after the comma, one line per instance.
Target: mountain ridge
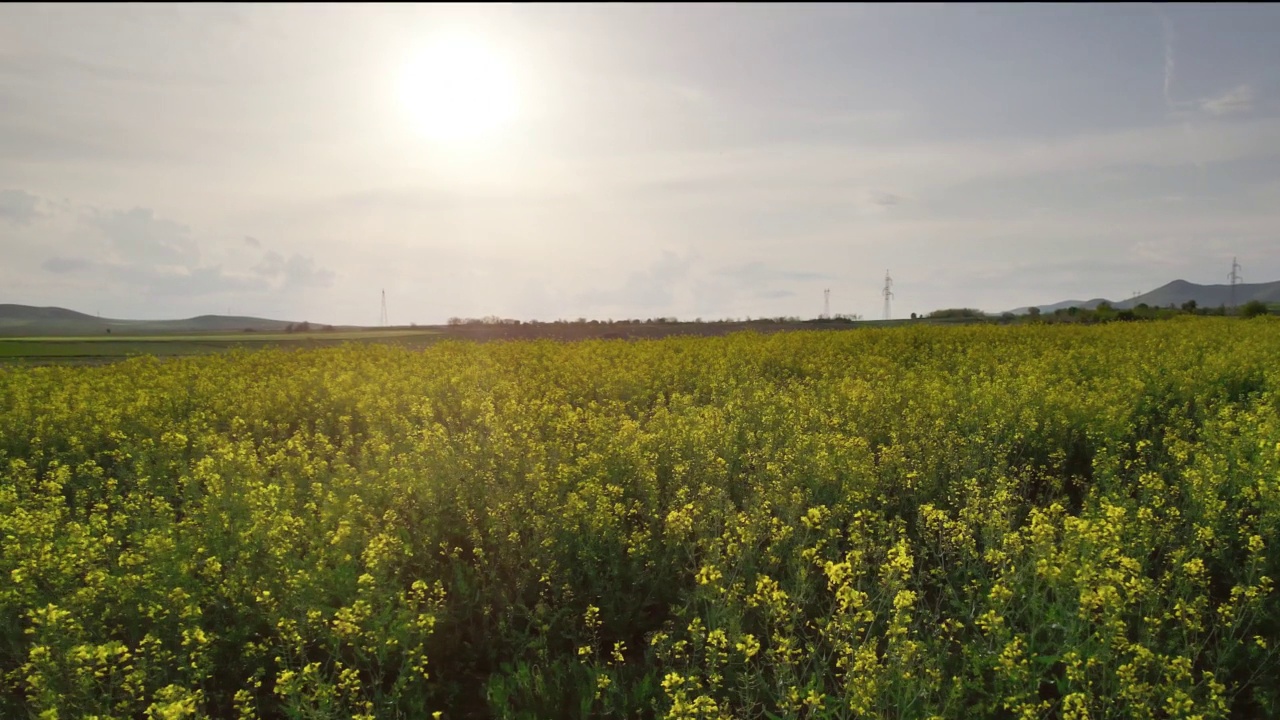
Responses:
[16,320]
[1176,293]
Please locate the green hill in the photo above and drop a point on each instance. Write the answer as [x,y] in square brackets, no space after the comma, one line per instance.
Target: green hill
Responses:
[1180,291]
[1176,293]
[25,320]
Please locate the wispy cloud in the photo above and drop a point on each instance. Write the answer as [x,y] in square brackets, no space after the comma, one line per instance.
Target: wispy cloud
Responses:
[294,271]
[162,257]
[759,272]
[1236,100]
[801,174]
[62,265]
[650,288]
[1167,25]
[774,294]
[885,199]
[1176,109]
[139,235]
[158,281]
[18,206]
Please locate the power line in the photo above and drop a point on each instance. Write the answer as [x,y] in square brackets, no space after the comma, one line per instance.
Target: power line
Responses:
[888,283]
[1235,279]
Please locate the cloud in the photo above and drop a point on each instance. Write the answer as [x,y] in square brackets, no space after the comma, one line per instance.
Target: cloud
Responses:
[1236,100]
[165,281]
[62,265]
[19,207]
[139,236]
[805,174]
[1167,26]
[774,294]
[1185,109]
[272,264]
[295,272]
[302,271]
[753,288]
[158,256]
[649,288]
[884,199]
[182,282]
[758,273]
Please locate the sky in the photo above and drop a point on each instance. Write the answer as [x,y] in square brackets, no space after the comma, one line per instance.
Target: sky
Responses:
[713,161]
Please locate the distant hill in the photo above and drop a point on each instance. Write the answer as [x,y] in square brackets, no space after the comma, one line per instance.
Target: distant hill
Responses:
[1180,291]
[1176,293]
[20,320]
[1082,304]
[27,313]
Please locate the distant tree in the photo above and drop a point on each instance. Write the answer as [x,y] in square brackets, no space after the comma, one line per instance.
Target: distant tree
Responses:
[1034,312]
[108,331]
[957,313]
[304,326]
[913,316]
[1189,306]
[1253,309]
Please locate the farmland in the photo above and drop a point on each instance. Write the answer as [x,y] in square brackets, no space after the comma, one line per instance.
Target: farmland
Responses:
[43,348]
[97,349]
[912,522]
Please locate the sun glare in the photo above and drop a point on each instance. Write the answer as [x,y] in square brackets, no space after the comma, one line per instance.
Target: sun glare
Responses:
[458,90]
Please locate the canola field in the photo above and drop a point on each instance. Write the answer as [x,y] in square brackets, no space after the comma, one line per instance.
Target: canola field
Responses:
[919,522]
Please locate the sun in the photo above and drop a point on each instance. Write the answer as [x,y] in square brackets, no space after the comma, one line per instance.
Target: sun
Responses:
[457,90]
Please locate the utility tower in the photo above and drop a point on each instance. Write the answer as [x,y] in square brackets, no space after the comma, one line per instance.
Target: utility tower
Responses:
[888,294]
[1235,279]
[383,319]
[826,304]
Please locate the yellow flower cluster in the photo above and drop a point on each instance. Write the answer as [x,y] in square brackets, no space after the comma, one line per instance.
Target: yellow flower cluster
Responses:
[920,522]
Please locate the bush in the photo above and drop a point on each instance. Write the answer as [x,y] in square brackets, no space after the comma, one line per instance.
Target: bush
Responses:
[1253,309]
[957,313]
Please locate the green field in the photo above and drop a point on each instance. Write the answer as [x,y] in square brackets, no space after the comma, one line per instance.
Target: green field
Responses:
[1030,521]
[84,349]
[103,348]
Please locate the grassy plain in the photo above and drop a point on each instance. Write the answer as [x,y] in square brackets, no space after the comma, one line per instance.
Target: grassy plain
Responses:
[105,348]
[78,348]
